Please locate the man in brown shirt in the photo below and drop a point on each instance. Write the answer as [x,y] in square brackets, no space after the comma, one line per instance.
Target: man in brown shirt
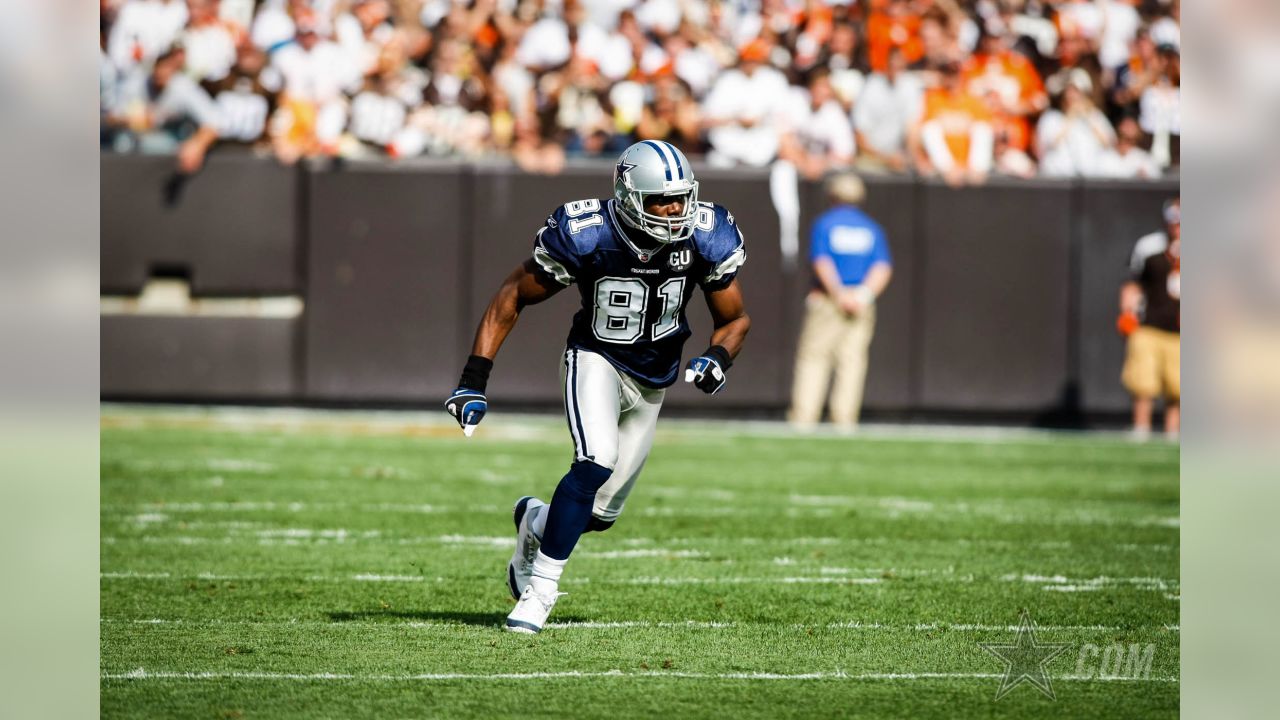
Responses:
[1151,367]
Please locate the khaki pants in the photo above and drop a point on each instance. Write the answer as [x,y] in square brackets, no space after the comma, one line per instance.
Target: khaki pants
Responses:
[831,340]
[1152,364]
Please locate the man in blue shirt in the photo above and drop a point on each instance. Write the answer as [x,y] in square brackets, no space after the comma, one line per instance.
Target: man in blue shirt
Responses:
[851,267]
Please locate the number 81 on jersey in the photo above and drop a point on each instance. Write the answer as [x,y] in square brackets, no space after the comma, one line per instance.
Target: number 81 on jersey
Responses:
[622,305]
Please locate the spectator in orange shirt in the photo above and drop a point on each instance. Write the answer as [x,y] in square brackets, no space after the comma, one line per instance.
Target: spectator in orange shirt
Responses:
[1000,74]
[955,132]
[894,26]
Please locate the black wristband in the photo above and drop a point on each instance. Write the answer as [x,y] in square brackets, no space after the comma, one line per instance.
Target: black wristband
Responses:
[720,355]
[475,376]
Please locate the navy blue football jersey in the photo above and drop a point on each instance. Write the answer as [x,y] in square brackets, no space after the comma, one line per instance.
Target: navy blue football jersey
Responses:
[633,299]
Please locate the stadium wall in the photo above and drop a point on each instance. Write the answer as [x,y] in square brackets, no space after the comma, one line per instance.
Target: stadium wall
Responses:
[1003,297]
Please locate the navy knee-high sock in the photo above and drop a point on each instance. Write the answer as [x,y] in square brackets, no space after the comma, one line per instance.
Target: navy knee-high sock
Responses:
[570,511]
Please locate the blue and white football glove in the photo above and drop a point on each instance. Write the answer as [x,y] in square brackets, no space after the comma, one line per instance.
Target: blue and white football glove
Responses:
[707,371]
[468,408]
[468,404]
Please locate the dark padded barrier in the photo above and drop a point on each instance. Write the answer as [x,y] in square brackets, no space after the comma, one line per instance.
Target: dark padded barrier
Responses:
[1003,298]
[1113,216]
[233,226]
[890,382]
[383,282]
[993,332]
[509,208]
[202,358]
[761,375]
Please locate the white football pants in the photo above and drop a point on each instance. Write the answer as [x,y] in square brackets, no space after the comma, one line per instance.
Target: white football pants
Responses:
[612,418]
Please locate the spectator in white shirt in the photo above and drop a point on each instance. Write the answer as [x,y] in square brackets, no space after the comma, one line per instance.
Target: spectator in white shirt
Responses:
[1160,107]
[545,45]
[364,32]
[1129,160]
[817,136]
[1120,23]
[604,13]
[210,42]
[659,16]
[158,110]
[647,56]
[273,25]
[692,63]
[313,76]
[608,49]
[143,29]
[243,107]
[1166,29]
[847,79]
[889,104]
[1074,140]
[740,110]
[313,68]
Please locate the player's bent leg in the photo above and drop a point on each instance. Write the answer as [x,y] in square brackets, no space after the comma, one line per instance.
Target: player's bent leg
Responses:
[529,515]
[598,525]
[592,400]
[592,389]
[636,427]
[592,405]
[567,518]
[571,508]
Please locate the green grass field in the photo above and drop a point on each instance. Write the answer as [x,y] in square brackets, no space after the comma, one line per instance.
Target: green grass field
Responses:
[287,564]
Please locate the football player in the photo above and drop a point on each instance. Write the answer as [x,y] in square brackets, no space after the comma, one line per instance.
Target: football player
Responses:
[636,259]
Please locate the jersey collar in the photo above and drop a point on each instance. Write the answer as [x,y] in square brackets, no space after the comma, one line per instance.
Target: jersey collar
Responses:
[644,255]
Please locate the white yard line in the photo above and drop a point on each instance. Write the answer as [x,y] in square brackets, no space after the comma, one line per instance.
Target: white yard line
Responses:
[1055,583]
[144,674]
[376,577]
[647,624]
[644,553]
[881,508]
[824,580]
[1060,583]
[254,532]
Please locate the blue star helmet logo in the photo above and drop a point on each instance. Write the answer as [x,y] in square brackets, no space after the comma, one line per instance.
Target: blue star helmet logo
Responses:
[624,167]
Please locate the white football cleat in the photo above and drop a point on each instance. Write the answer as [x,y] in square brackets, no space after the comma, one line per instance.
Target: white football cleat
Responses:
[527,543]
[530,613]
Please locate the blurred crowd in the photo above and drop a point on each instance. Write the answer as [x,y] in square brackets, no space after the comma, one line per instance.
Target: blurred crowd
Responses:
[960,89]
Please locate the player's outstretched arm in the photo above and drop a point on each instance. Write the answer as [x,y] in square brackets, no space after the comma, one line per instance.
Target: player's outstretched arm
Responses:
[732,323]
[526,285]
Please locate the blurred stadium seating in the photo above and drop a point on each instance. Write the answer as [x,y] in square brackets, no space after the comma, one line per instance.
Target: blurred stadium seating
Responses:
[1050,87]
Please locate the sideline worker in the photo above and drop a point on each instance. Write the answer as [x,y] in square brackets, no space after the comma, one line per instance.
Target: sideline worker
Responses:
[851,267]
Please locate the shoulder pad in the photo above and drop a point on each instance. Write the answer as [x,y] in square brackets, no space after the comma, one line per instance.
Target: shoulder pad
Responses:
[719,242]
[717,234]
[570,233]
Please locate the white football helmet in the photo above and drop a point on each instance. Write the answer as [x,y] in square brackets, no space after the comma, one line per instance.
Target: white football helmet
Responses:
[654,167]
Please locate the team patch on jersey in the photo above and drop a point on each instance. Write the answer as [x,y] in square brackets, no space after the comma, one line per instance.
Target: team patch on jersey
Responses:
[680,259]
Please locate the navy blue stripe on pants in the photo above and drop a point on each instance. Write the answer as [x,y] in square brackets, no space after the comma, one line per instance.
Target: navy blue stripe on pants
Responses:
[572,388]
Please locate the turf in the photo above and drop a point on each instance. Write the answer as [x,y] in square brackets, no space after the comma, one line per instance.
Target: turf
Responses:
[322,565]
